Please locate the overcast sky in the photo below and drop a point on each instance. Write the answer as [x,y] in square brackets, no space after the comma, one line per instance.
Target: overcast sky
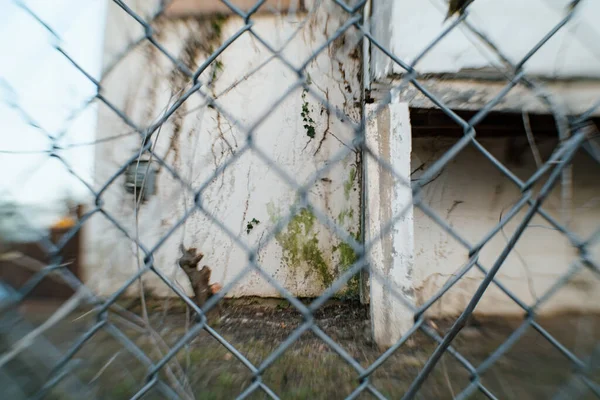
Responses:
[38,83]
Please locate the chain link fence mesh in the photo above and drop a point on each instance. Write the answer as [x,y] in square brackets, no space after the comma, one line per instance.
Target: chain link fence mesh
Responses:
[154,366]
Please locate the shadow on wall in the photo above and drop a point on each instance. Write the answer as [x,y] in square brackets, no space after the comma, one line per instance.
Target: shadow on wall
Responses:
[472,195]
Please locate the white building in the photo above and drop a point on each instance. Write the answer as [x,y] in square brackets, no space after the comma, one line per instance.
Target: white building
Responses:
[471,194]
[300,137]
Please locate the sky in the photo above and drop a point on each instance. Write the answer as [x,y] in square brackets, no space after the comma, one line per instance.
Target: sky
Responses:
[39,86]
[43,96]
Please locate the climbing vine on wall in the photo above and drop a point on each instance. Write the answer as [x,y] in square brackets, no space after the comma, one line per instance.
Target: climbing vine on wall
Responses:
[309,123]
[250,225]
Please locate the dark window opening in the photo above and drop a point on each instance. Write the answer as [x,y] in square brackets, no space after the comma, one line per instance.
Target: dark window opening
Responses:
[431,123]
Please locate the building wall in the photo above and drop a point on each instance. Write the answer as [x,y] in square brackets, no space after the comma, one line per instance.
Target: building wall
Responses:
[472,195]
[465,74]
[515,27]
[459,93]
[197,141]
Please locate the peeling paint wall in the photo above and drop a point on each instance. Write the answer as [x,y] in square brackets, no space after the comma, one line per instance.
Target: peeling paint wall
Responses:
[470,193]
[465,73]
[250,195]
[515,26]
[391,287]
[472,200]
[574,97]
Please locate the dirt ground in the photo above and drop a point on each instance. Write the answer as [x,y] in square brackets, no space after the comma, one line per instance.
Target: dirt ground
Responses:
[532,369]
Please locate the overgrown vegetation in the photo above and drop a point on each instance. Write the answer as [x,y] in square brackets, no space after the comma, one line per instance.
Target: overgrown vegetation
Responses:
[347,258]
[300,245]
[310,369]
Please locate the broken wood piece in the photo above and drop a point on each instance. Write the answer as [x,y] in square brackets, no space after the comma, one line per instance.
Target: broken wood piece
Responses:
[215,288]
[199,279]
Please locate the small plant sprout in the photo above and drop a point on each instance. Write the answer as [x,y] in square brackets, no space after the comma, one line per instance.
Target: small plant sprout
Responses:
[251,225]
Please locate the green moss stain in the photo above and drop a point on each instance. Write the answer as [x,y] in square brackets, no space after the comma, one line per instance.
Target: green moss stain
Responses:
[347,258]
[300,243]
[293,238]
[216,23]
[347,255]
[345,215]
[313,256]
[273,212]
[301,247]
[349,183]
[217,70]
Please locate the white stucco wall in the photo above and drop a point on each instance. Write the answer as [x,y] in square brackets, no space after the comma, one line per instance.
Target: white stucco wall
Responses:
[515,27]
[196,141]
[472,195]
[388,197]
[417,257]
[573,98]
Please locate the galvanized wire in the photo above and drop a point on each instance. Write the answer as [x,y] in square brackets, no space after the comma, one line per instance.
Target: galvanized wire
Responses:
[574,132]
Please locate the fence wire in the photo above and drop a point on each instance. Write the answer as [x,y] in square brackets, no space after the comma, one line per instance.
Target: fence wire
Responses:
[163,375]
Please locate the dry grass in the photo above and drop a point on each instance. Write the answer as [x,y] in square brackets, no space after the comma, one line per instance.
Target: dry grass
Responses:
[532,369]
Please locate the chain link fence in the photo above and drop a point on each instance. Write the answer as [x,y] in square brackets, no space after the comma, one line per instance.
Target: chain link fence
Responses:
[159,372]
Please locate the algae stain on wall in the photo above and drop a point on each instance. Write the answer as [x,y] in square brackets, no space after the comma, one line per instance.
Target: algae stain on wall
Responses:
[300,244]
[349,184]
[346,258]
[302,250]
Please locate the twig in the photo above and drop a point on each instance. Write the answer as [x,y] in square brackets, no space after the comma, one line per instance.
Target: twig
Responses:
[447,377]
[534,149]
[327,125]
[82,315]
[525,266]
[113,358]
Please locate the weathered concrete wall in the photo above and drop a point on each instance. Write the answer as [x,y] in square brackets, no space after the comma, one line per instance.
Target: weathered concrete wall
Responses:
[463,73]
[417,257]
[305,257]
[472,195]
[389,197]
[573,97]
[515,26]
